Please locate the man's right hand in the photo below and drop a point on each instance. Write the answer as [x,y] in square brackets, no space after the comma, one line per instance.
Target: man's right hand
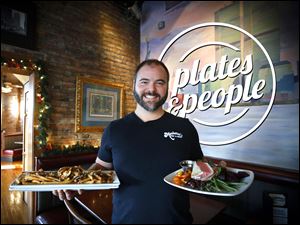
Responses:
[66,194]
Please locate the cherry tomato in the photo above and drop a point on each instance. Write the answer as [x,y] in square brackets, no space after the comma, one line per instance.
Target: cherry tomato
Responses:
[177,180]
[184,175]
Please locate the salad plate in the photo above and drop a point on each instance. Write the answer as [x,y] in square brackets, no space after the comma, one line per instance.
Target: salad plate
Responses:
[244,184]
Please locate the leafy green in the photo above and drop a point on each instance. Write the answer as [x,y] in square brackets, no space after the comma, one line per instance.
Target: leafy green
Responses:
[217,185]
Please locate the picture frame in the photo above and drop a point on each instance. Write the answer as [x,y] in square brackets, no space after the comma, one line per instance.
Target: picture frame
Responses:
[18,25]
[97,104]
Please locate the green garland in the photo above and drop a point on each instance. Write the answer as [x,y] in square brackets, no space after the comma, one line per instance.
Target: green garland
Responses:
[42,95]
[77,148]
[44,106]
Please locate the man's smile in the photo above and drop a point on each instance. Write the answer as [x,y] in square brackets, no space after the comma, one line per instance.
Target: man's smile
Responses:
[151,97]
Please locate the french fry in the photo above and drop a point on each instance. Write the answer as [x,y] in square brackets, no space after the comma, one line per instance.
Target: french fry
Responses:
[66,175]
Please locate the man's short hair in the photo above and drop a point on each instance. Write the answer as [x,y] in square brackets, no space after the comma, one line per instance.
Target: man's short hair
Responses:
[150,62]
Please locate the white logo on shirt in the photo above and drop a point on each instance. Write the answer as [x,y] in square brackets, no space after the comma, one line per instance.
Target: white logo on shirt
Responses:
[172,135]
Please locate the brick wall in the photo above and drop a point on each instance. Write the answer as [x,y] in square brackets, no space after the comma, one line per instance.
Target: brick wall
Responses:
[92,39]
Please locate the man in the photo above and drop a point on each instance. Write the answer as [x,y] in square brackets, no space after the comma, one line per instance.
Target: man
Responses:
[144,147]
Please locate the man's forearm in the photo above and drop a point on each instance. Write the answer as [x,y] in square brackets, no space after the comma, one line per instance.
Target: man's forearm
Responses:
[94,166]
[97,166]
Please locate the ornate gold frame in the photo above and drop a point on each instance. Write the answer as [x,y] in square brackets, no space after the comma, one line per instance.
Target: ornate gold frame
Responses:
[97,125]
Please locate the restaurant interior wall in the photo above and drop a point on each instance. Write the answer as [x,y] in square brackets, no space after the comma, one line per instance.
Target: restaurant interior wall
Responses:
[275,144]
[276,141]
[91,39]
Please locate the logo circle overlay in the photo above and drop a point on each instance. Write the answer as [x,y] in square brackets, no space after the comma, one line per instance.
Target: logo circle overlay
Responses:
[270,105]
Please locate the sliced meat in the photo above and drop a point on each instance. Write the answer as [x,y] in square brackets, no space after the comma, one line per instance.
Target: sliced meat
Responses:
[202,171]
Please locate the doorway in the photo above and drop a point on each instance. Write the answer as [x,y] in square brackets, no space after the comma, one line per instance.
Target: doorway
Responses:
[17,121]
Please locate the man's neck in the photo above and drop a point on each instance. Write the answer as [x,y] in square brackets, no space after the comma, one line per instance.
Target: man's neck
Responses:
[148,116]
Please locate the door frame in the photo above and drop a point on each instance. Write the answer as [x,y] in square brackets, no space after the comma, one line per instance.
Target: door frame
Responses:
[28,197]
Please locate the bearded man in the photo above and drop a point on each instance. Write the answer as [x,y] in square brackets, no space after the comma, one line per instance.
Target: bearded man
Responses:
[144,147]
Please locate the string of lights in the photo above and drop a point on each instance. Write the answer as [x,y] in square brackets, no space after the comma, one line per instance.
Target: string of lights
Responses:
[42,98]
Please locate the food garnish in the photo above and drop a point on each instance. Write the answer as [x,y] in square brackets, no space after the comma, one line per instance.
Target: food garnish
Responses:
[206,176]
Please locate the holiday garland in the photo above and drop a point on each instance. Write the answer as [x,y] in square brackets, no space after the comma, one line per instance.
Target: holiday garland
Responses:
[67,150]
[42,94]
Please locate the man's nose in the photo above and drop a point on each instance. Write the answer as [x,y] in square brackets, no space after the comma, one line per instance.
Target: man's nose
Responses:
[151,87]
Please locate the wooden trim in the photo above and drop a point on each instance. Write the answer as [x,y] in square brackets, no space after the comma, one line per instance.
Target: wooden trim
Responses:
[265,173]
[13,134]
[57,161]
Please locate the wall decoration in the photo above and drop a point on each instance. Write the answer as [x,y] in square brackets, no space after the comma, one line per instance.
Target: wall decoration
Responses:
[18,25]
[97,104]
[276,142]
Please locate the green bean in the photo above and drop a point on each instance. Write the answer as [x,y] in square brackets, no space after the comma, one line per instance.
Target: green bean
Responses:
[217,185]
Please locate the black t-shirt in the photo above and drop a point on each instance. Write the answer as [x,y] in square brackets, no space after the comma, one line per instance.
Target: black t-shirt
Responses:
[143,153]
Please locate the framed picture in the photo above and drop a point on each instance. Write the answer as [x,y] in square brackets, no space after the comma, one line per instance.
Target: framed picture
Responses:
[18,24]
[97,104]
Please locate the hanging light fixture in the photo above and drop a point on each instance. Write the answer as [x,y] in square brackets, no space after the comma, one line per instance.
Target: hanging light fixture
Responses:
[135,10]
[6,88]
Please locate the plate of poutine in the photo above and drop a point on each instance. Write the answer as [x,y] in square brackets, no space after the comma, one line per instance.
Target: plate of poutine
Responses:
[66,178]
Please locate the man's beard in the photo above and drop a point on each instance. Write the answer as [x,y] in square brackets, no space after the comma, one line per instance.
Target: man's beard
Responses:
[145,105]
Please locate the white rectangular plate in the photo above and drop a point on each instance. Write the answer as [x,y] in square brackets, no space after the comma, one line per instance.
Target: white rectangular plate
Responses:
[247,181]
[51,187]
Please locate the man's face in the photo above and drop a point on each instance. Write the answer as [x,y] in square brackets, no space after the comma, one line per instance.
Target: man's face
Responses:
[151,87]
